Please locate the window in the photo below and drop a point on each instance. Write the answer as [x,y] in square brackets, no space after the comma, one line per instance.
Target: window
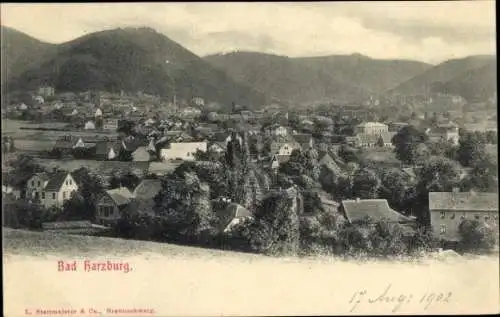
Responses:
[43,195]
[70,182]
[486,218]
[64,195]
[442,215]
[38,183]
[477,217]
[442,229]
[53,195]
[32,183]
[452,216]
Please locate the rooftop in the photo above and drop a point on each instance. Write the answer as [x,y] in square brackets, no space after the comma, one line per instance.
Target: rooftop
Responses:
[463,201]
[376,209]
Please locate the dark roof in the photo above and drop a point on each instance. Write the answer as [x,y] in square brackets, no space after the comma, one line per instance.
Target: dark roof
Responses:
[56,180]
[147,189]
[376,209]
[463,201]
[121,196]
[65,142]
[232,211]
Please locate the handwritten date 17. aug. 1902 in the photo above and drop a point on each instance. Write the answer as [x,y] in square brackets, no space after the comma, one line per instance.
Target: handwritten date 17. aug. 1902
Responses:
[397,300]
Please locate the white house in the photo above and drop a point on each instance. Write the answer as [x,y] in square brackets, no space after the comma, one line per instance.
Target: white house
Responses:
[39,99]
[98,113]
[183,150]
[89,125]
[51,189]
[371,128]
[280,130]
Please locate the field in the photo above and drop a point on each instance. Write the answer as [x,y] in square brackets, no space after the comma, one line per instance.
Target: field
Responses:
[177,280]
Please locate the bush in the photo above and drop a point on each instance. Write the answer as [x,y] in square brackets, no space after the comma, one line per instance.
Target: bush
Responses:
[476,235]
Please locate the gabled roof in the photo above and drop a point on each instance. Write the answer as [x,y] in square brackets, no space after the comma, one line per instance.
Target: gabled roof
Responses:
[121,196]
[232,211]
[376,209]
[463,201]
[56,180]
[147,189]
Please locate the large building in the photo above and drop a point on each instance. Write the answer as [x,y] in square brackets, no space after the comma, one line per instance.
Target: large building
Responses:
[371,128]
[449,209]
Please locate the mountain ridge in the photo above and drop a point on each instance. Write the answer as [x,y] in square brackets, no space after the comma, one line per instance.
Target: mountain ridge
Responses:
[133,59]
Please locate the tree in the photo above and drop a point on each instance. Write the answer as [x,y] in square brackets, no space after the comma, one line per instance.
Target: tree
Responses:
[471,150]
[476,235]
[365,184]
[398,188]
[380,142]
[90,189]
[420,153]
[276,226]
[483,177]
[184,203]
[439,174]
[405,142]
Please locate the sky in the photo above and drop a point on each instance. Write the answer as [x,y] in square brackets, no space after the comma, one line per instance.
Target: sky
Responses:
[431,31]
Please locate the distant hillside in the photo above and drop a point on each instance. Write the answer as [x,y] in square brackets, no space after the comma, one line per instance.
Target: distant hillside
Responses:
[310,79]
[20,51]
[134,59]
[476,84]
[456,74]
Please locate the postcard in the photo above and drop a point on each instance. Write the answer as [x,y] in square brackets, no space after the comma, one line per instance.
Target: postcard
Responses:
[249,159]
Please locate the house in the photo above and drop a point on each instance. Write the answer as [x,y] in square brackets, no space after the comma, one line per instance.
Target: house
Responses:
[46,91]
[284,145]
[110,125]
[305,140]
[182,150]
[368,140]
[324,159]
[448,209]
[11,190]
[144,195]
[371,128]
[52,189]
[217,147]
[141,154]
[198,101]
[110,206]
[98,113]
[279,130]
[89,125]
[374,209]
[232,215]
[107,150]
[39,99]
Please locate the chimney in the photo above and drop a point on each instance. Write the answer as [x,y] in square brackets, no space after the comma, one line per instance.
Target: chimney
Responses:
[358,200]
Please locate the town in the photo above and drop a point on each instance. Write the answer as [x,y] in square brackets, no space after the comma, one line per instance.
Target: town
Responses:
[350,178]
